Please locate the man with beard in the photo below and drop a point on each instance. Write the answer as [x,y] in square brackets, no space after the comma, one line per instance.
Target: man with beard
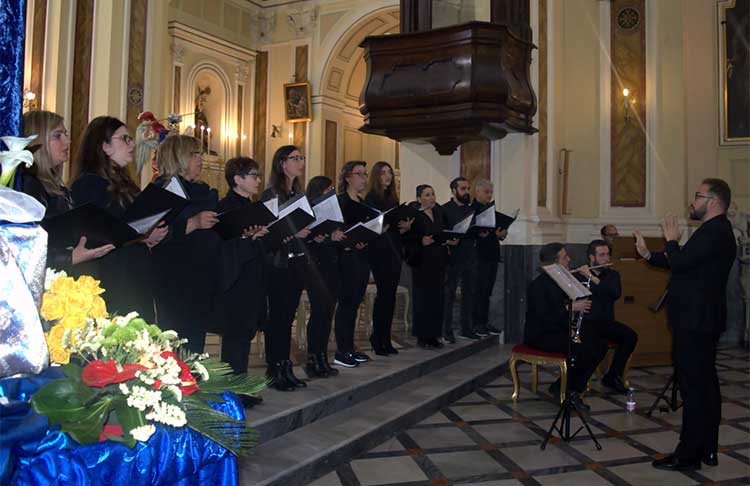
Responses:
[697,313]
[461,264]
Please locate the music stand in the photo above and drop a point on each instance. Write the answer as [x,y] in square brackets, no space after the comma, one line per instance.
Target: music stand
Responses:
[574,290]
[672,401]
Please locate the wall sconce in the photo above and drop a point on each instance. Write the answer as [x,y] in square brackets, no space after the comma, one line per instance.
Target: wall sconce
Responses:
[628,103]
[29,100]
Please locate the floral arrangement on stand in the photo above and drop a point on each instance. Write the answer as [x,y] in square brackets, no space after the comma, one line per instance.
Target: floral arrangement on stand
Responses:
[121,367]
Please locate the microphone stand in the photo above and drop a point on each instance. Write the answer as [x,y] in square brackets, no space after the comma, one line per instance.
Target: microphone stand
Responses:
[567,405]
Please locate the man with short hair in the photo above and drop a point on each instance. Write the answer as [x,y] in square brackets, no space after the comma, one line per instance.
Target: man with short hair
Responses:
[488,256]
[461,264]
[547,325]
[697,313]
[606,288]
[609,233]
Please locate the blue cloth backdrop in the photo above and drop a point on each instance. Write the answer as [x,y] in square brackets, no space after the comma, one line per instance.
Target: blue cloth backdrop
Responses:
[33,452]
[12,39]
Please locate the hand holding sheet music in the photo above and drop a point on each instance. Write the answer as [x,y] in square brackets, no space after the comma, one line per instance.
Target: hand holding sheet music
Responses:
[365,232]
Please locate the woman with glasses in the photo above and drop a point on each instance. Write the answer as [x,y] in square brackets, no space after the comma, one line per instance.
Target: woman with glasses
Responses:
[285,273]
[43,181]
[428,259]
[239,306]
[105,151]
[353,266]
[384,256]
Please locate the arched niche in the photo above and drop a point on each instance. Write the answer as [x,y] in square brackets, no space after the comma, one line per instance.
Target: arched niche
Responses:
[217,104]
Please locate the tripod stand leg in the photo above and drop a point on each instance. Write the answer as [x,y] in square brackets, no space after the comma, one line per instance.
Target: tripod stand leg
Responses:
[663,396]
[552,427]
[588,429]
[673,403]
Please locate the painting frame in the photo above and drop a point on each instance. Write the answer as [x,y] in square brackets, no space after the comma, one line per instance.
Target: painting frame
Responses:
[731,88]
[297,102]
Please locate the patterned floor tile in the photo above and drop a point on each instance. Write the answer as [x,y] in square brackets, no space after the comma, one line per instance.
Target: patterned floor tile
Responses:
[504,482]
[470,413]
[731,411]
[387,470]
[499,434]
[575,478]
[391,445]
[331,479]
[438,418]
[449,436]
[729,435]
[535,408]
[466,464]
[612,449]
[664,442]
[575,424]
[531,458]
[728,468]
[643,474]
[625,422]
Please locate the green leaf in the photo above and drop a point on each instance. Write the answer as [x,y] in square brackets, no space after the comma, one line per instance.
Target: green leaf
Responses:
[87,429]
[231,434]
[72,371]
[62,400]
[129,418]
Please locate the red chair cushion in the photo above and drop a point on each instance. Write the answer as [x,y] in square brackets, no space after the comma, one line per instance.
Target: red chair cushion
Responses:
[523,349]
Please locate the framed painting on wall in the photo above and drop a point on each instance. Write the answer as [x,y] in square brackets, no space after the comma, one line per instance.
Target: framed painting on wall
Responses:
[734,71]
[297,102]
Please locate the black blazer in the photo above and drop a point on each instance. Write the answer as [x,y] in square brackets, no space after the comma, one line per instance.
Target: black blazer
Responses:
[697,295]
[546,310]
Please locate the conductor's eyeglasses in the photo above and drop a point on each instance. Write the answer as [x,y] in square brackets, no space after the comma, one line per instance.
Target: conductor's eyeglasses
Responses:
[698,195]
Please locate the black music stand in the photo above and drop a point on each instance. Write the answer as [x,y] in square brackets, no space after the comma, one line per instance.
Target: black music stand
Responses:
[672,401]
[574,290]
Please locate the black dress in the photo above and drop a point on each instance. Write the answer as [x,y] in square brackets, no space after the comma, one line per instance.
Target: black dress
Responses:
[428,275]
[384,255]
[239,307]
[56,204]
[126,273]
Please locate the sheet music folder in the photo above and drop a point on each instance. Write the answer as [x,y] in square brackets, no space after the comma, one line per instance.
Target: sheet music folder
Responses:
[294,215]
[364,232]
[459,230]
[328,215]
[96,224]
[399,213]
[503,221]
[154,200]
[566,281]
[233,223]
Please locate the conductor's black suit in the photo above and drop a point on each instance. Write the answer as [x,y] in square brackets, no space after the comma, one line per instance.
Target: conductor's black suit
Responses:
[697,313]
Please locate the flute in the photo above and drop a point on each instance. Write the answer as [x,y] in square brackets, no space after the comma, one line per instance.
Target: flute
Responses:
[593,268]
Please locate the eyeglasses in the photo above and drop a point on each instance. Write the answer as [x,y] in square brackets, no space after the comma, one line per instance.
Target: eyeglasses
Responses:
[698,195]
[254,175]
[126,139]
[297,158]
[361,174]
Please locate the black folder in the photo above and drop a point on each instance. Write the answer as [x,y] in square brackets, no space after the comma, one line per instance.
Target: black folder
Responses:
[359,234]
[503,221]
[287,225]
[445,235]
[233,223]
[327,226]
[400,213]
[356,212]
[96,224]
[154,200]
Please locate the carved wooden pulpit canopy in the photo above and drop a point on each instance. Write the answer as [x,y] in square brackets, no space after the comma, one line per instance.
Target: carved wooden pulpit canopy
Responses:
[450,85]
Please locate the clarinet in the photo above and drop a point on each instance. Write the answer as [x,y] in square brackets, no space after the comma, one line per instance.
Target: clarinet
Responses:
[577,331]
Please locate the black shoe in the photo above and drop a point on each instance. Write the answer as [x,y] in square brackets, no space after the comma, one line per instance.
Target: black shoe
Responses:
[449,338]
[710,459]
[436,343]
[345,359]
[424,343]
[360,357]
[615,383]
[493,330]
[377,346]
[577,401]
[481,331]
[323,358]
[277,377]
[554,388]
[674,463]
[314,368]
[249,401]
[468,335]
[388,346]
[289,373]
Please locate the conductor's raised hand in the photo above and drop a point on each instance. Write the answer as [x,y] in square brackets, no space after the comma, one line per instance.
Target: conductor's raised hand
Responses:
[670,228]
[640,245]
[582,306]
[82,254]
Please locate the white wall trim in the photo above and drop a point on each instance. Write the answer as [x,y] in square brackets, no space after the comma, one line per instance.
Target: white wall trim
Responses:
[229,50]
[126,59]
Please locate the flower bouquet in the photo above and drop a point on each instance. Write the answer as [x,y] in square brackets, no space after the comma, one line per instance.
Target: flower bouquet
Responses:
[122,367]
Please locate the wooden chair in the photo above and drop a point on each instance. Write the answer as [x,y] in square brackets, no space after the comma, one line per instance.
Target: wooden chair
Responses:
[534,357]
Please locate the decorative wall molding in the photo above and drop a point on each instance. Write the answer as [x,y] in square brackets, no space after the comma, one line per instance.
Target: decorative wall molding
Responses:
[302,20]
[229,51]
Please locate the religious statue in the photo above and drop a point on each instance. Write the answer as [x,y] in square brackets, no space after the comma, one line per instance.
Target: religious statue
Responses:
[201,97]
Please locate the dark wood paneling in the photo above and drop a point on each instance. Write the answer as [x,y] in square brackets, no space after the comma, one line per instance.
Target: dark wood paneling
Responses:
[300,75]
[541,195]
[331,150]
[177,86]
[475,161]
[260,109]
[136,68]
[416,15]
[79,112]
[37,48]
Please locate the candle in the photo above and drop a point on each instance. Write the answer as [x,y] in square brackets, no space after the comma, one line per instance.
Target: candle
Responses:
[202,128]
[208,142]
[291,137]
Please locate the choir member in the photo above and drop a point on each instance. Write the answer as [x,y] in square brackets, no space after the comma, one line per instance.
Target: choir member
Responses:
[353,266]
[384,256]
[43,181]
[428,260]
[487,258]
[321,282]
[105,151]
[285,273]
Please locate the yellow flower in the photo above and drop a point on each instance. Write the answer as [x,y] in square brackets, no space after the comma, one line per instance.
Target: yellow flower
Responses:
[53,307]
[57,354]
[62,285]
[98,308]
[89,285]
[75,319]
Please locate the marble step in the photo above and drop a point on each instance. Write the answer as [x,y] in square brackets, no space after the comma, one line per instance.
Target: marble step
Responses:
[282,412]
[309,452]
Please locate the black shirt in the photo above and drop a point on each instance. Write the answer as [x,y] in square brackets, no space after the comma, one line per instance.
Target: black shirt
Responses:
[488,248]
[452,213]
[603,295]
[546,311]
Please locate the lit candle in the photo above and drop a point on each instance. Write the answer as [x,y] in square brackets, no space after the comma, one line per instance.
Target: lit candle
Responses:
[208,142]
[291,137]
[202,129]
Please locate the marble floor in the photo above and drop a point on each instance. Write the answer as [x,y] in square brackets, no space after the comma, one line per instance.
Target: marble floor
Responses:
[487,439]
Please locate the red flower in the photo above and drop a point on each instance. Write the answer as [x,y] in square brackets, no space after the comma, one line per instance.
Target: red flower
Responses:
[189,383]
[100,373]
[110,429]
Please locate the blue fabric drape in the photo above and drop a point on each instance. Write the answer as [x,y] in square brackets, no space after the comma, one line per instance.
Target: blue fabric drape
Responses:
[12,40]
[33,452]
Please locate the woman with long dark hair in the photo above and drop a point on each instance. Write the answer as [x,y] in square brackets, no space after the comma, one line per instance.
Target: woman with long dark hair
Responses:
[105,152]
[353,267]
[428,260]
[285,273]
[321,282]
[384,255]
[43,181]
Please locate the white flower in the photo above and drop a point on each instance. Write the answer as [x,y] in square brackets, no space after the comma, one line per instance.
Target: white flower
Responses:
[143,398]
[167,414]
[50,275]
[124,389]
[143,433]
[201,370]
[176,392]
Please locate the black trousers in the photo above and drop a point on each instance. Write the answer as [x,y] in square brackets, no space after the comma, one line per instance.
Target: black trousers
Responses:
[694,359]
[387,272]
[241,310]
[459,272]
[354,273]
[321,282]
[284,291]
[624,337]
[586,355]
[427,294]
[486,272]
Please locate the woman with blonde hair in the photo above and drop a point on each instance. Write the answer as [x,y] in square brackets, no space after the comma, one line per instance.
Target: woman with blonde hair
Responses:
[43,181]
[105,151]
